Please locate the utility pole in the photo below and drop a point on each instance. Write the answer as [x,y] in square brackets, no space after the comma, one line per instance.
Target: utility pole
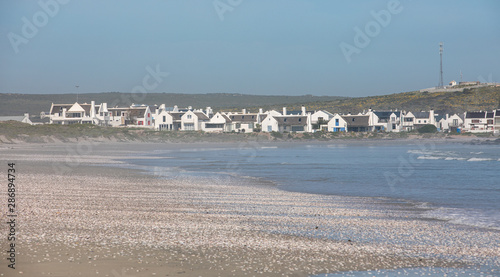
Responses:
[441,85]
[77,92]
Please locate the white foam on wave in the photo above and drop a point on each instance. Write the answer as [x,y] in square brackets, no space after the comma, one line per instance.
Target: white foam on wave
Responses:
[470,217]
[429,158]
[455,159]
[479,159]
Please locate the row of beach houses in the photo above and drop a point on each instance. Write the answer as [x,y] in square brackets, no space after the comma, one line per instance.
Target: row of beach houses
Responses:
[163,118]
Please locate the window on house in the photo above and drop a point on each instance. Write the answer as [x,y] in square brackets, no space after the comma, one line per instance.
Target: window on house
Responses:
[300,119]
[189,126]
[149,115]
[455,122]
[353,119]
[164,118]
[140,123]
[284,120]
[238,125]
[269,128]
[336,122]
[189,116]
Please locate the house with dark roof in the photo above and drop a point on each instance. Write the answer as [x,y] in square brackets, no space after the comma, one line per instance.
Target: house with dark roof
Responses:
[289,123]
[479,122]
[424,118]
[389,121]
[358,123]
[452,124]
[219,122]
[242,122]
[168,120]
[193,121]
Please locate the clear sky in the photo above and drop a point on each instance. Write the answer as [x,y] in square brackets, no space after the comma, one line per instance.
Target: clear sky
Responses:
[278,47]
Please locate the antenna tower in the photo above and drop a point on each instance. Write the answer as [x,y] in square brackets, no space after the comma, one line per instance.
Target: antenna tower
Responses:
[441,85]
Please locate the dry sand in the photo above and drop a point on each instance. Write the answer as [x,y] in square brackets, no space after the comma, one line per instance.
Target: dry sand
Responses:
[79,219]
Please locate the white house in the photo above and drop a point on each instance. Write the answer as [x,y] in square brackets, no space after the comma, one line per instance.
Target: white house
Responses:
[218,123]
[23,118]
[389,121]
[479,122]
[497,121]
[290,123]
[450,123]
[73,113]
[337,124]
[193,121]
[424,118]
[242,122]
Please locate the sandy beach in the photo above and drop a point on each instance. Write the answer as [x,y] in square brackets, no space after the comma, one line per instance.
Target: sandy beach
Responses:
[79,214]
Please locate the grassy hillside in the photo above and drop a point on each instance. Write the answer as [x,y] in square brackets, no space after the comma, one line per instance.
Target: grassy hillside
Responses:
[486,98]
[12,132]
[17,104]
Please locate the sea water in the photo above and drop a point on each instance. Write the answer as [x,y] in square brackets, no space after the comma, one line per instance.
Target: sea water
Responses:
[456,182]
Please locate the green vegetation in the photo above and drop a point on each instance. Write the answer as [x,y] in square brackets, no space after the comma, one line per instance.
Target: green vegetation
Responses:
[428,129]
[18,104]
[484,98]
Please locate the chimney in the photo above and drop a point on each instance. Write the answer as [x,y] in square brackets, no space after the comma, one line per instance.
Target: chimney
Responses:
[284,110]
[260,110]
[303,110]
[244,111]
[64,113]
[447,117]
[92,109]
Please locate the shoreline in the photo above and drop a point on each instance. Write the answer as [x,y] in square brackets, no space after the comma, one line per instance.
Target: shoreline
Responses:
[188,228]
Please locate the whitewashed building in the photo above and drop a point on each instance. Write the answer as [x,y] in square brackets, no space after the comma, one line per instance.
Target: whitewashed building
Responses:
[337,124]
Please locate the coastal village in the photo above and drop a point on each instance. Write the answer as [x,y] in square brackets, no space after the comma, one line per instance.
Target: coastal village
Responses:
[163,118]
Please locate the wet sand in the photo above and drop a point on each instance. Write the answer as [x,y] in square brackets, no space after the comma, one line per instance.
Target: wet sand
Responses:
[78,217]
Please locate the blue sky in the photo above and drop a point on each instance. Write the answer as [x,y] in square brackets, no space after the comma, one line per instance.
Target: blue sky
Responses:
[271,47]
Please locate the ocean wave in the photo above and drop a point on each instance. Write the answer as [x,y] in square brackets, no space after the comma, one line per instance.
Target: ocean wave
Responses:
[429,158]
[455,159]
[479,159]
[470,217]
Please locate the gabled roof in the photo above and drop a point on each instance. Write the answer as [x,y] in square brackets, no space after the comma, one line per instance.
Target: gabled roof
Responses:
[475,115]
[386,114]
[357,120]
[291,120]
[57,108]
[248,117]
[201,116]
[176,116]
[137,111]
[421,114]
[76,108]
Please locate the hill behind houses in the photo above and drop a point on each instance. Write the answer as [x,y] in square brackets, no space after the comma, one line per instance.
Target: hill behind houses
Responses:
[484,98]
